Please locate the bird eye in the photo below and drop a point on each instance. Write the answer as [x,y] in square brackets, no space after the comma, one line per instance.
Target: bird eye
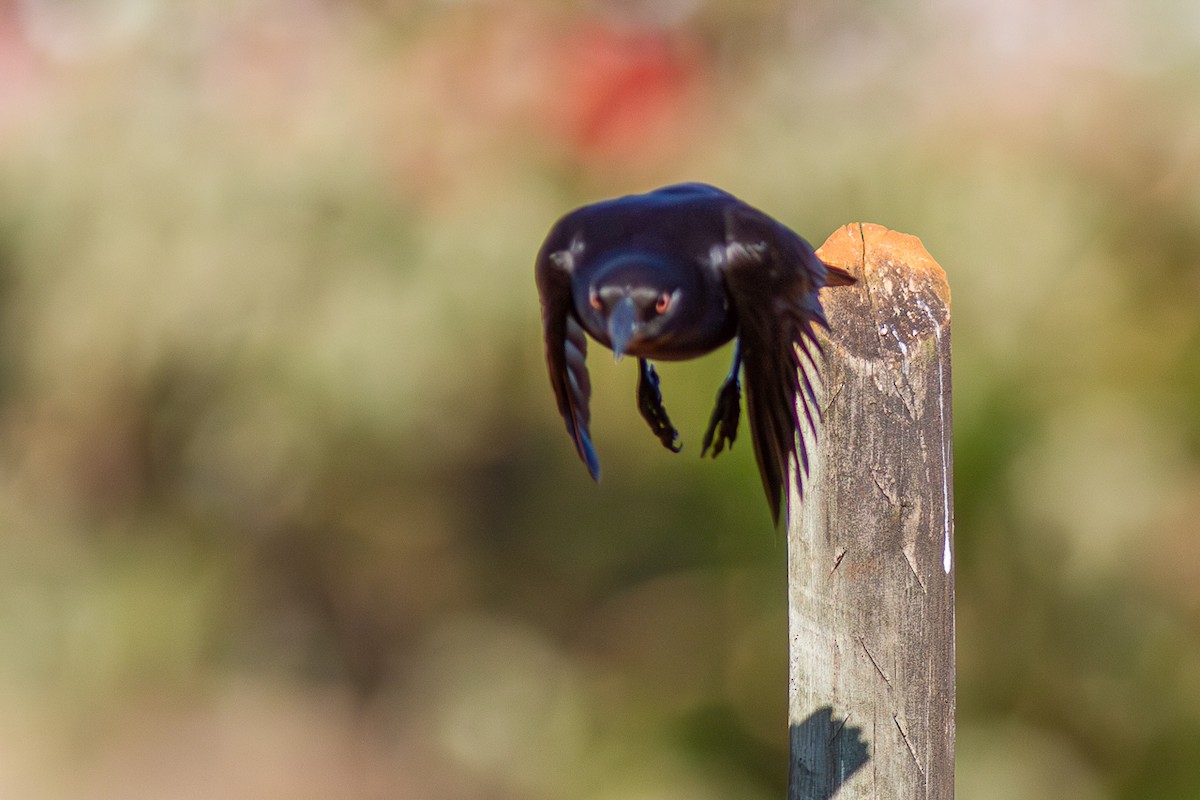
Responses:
[663,303]
[594,299]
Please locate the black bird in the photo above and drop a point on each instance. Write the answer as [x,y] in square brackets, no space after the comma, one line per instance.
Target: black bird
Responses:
[674,274]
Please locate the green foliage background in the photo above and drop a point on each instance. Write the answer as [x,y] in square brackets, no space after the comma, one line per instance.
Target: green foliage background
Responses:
[287,509]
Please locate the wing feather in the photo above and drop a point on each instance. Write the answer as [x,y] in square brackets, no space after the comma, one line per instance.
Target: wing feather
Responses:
[566,350]
[773,276]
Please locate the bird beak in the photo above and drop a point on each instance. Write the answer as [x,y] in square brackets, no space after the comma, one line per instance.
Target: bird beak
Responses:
[621,326]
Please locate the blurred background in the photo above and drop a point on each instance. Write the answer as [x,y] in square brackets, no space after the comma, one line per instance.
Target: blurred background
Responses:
[287,509]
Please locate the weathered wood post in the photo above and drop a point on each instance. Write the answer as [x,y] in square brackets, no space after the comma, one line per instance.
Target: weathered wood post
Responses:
[870,550]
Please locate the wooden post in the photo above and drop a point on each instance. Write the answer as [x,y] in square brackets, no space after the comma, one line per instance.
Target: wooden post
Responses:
[870,549]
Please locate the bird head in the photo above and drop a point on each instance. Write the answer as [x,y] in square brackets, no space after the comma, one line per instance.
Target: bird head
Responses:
[632,301]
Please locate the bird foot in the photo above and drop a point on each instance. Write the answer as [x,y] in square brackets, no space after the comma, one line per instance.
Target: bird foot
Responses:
[724,421]
[651,406]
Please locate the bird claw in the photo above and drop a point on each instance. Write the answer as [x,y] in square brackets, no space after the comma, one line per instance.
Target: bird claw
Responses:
[724,421]
[651,407]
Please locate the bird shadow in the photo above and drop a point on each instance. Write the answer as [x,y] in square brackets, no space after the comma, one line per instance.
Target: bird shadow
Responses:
[825,753]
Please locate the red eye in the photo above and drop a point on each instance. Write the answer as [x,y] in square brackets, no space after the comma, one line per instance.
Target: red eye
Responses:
[594,299]
[664,302]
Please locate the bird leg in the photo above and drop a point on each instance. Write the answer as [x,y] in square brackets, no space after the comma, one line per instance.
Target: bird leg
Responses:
[724,421]
[651,405]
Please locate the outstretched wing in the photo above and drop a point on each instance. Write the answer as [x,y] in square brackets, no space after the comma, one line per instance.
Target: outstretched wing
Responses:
[773,276]
[566,348]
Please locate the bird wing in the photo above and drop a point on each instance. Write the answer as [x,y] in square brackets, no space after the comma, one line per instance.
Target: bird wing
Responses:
[566,349]
[772,276]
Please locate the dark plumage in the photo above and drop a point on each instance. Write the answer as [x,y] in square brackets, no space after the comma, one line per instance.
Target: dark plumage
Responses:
[674,274]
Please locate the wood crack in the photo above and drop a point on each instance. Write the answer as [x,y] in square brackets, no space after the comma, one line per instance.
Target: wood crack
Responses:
[862,642]
[908,744]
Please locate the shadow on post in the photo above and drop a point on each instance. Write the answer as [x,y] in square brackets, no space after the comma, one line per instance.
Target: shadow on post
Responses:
[825,753]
